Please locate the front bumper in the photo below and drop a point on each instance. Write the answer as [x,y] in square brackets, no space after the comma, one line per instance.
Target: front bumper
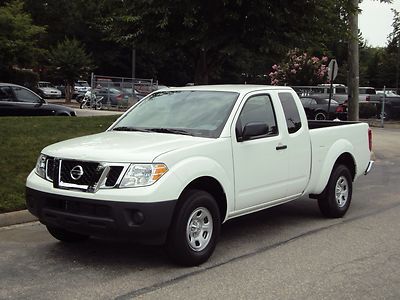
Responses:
[144,222]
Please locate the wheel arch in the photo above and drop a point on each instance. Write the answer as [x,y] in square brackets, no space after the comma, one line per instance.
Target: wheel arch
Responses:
[345,159]
[211,185]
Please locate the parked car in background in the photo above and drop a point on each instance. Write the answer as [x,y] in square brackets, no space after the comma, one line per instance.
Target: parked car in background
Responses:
[80,88]
[388,93]
[317,108]
[16,100]
[112,96]
[340,93]
[392,106]
[132,93]
[47,90]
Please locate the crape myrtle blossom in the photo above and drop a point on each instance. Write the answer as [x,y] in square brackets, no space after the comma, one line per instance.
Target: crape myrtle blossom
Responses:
[300,68]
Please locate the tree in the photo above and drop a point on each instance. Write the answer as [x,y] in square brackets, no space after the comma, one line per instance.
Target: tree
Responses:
[18,37]
[69,61]
[213,34]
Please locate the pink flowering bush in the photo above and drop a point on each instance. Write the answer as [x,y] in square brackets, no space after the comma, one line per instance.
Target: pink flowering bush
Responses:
[298,68]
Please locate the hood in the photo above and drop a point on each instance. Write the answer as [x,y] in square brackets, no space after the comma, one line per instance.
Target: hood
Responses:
[119,146]
[56,107]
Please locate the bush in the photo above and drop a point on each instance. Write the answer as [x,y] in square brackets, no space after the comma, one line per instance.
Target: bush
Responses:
[299,68]
[26,78]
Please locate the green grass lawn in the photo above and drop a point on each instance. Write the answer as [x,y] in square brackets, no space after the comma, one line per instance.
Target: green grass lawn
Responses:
[22,139]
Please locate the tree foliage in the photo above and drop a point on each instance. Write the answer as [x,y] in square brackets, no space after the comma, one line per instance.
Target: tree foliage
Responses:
[69,61]
[18,36]
[212,34]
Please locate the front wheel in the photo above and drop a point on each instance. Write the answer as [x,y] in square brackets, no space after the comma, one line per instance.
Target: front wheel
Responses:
[335,200]
[99,105]
[195,229]
[65,235]
[84,104]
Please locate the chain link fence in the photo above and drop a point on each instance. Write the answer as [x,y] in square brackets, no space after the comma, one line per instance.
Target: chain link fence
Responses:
[121,92]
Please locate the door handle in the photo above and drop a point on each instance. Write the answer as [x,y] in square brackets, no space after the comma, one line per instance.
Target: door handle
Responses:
[281,147]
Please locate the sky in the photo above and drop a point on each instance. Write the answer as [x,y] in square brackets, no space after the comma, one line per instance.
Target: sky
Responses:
[375,21]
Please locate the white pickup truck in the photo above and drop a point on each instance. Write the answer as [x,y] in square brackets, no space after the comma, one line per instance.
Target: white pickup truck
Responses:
[183,161]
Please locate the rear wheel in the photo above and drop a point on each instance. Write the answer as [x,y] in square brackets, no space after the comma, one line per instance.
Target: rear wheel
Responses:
[335,200]
[193,235]
[65,235]
[320,116]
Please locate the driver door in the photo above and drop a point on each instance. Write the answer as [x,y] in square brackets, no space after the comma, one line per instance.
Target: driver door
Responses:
[260,163]
[30,104]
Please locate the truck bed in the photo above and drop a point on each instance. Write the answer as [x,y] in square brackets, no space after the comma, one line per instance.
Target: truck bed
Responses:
[322,124]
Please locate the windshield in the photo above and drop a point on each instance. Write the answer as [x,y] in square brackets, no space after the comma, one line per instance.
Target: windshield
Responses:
[45,85]
[197,113]
[82,83]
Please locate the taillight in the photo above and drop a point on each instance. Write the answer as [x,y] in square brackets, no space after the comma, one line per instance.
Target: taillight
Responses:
[370,139]
[340,109]
[119,97]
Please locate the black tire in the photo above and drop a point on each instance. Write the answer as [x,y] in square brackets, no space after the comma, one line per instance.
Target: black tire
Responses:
[334,205]
[193,247]
[320,116]
[65,235]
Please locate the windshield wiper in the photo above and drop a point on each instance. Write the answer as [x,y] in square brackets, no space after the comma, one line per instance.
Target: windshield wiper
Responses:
[127,128]
[170,130]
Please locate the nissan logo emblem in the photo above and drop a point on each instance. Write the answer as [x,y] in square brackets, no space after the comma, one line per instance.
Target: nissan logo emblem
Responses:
[76,172]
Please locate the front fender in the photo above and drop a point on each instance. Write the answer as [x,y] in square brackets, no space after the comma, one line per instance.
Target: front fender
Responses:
[192,168]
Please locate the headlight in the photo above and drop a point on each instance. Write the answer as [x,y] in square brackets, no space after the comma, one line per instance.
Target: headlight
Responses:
[41,166]
[143,175]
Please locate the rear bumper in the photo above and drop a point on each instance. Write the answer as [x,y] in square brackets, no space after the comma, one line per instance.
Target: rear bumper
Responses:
[143,222]
[369,167]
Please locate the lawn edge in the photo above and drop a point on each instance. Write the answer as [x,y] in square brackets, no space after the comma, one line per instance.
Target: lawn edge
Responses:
[16,217]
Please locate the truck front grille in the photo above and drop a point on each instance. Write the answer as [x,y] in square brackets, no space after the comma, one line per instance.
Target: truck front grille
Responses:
[83,175]
[89,171]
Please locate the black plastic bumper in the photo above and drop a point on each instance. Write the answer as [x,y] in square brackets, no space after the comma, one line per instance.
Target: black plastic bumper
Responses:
[144,222]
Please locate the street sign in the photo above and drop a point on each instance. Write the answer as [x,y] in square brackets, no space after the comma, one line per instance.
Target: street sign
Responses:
[332,70]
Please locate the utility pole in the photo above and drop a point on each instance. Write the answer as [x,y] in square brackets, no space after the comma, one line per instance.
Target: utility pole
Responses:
[354,68]
[133,61]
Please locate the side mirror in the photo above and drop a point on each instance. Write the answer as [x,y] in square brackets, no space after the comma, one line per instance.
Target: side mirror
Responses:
[254,129]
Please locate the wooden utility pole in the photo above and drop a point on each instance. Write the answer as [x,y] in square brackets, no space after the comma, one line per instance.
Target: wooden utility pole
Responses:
[354,69]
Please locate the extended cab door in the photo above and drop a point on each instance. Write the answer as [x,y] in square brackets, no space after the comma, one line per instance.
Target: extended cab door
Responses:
[298,143]
[260,161]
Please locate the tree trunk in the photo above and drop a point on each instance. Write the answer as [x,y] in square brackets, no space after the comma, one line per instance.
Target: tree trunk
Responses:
[69,90]
[201,72]
[354,76]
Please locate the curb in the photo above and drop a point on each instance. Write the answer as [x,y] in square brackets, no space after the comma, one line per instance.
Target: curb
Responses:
[16,217]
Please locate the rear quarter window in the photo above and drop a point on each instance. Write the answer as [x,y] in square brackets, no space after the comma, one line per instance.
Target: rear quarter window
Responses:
[292,115]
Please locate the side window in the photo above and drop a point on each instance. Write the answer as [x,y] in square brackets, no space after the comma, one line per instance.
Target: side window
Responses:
[258,109]
[306,101]
[340,91]
[6,94]
[292,116]
[23,95]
